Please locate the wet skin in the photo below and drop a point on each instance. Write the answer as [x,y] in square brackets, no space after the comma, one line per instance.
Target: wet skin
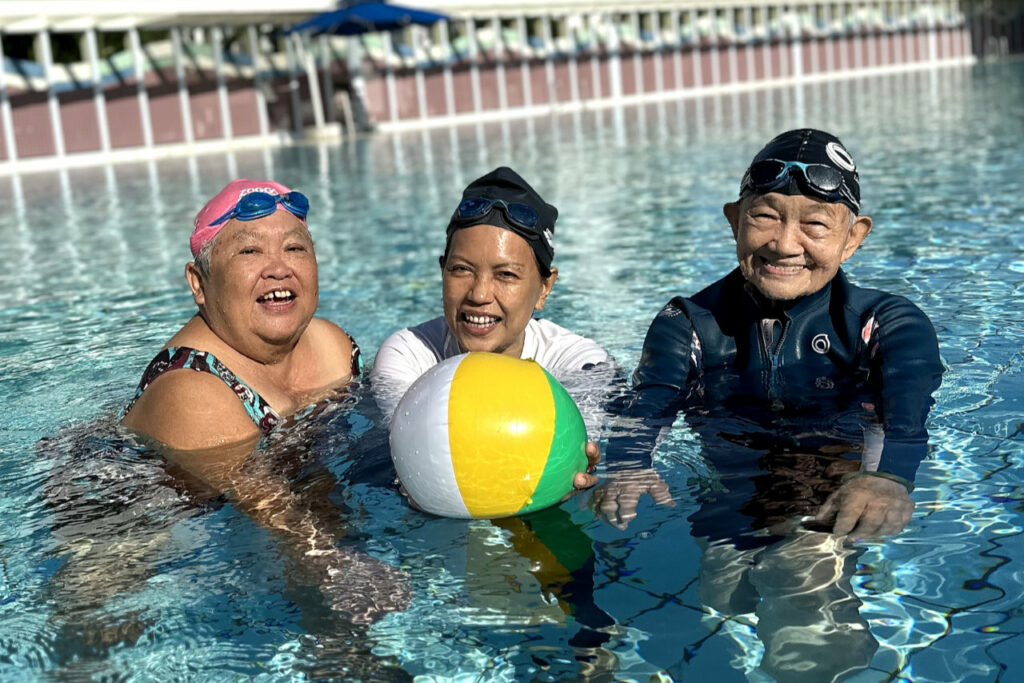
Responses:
[789,247]
[256,308]
[792,246]
[262,289]
[491,285]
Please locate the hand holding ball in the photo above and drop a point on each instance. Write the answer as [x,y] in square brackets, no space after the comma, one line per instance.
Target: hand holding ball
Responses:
[486,435]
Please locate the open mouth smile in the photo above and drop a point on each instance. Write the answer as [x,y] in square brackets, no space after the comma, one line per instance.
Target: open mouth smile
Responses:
[781,269]
[276,297]
[478,324]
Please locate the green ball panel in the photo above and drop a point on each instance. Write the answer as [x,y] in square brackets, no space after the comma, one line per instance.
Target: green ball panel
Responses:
[568,453]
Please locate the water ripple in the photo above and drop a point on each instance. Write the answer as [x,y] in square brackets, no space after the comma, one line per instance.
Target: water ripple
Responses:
[114,567]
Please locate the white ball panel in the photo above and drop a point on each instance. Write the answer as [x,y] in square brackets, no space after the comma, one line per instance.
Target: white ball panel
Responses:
[419,442]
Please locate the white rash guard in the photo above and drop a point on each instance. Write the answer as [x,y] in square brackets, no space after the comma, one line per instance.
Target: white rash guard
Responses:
[410,352]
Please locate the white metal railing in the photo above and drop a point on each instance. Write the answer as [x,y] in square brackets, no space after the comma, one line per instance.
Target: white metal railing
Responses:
[493,35]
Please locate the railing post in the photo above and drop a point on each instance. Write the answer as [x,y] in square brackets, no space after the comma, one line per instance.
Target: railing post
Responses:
[5,112]
[140,87]
[217,34]
[99,101]
[183,96]
[43,38]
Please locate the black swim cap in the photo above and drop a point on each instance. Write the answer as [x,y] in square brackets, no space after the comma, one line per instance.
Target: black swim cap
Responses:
[507,186]
[812,147]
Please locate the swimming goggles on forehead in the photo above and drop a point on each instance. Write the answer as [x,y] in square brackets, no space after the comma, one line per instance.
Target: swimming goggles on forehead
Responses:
[520,215]
[824,182]
[260,204]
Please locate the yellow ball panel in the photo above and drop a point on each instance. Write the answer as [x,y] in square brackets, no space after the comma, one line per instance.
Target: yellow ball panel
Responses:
[501,421]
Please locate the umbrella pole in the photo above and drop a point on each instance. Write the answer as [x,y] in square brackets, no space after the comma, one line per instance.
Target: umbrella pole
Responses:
[360,122]
[217,36]
[327,62]
[524,63]
[595,59]
[474,66]
[314,85]
[389,77]
[421,84]
[141,95]
[99,101]
[6,117]
[449,86]
[46,57]
[499,65]
[257,80]
[293,85]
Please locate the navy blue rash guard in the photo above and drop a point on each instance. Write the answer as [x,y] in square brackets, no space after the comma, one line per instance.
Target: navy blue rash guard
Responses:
[842,346]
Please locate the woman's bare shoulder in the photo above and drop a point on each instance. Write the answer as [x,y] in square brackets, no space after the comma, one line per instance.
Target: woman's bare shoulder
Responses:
[188,410]
[329,337]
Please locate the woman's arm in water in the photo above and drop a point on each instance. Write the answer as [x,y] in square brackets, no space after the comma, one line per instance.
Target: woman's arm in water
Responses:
[308,523]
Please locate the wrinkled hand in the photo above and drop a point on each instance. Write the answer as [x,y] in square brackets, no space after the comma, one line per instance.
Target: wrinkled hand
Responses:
[867,506]
[617,499]
[584,480]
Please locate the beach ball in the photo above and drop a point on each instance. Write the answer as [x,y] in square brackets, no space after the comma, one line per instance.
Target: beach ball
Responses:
[485,435]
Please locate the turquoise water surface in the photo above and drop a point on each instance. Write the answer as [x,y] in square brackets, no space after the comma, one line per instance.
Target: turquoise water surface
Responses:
[114,565]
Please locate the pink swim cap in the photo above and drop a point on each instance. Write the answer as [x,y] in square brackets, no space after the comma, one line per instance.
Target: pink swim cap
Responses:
[223,202]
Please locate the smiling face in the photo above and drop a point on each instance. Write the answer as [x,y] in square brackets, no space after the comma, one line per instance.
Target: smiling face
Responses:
[262,286]
[792,246]
[491,287]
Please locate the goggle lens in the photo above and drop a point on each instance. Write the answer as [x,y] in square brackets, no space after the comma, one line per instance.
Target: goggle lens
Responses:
[824,178]
[521,215]
[474,207]
[770,174]
[260,204]
[765,173]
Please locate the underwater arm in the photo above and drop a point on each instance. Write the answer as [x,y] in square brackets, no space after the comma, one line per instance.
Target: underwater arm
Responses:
[906,368]
[310,525]
[660,382]
[399,363]
[644,416]
[905,360]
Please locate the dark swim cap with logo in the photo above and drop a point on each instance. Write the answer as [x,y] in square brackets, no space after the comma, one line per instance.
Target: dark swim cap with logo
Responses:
[806,162]
[505,185]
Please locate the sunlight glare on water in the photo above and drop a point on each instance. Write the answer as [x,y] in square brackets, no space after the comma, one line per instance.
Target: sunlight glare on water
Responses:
[110,564]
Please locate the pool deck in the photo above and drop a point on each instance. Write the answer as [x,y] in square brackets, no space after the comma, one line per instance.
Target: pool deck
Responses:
[206,79]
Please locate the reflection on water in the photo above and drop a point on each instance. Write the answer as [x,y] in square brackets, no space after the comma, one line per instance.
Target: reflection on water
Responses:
[113,561]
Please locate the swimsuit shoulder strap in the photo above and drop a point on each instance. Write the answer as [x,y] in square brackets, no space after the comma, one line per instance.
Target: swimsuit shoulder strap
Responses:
[357,361]
[187,358]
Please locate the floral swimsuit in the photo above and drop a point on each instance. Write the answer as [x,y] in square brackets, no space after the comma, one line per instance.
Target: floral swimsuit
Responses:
[186,358]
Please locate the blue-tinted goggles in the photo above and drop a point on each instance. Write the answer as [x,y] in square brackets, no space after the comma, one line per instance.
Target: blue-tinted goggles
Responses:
[520,215]
[823,181]
[259,204]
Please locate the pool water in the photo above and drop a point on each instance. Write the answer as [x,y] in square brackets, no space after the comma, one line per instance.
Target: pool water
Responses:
[113,565]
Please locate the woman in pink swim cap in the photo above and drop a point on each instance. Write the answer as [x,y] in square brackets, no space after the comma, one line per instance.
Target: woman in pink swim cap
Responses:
[253,355]
[255,351]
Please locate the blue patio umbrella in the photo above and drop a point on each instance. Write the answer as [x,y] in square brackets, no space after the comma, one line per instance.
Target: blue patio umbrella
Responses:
[366,17]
